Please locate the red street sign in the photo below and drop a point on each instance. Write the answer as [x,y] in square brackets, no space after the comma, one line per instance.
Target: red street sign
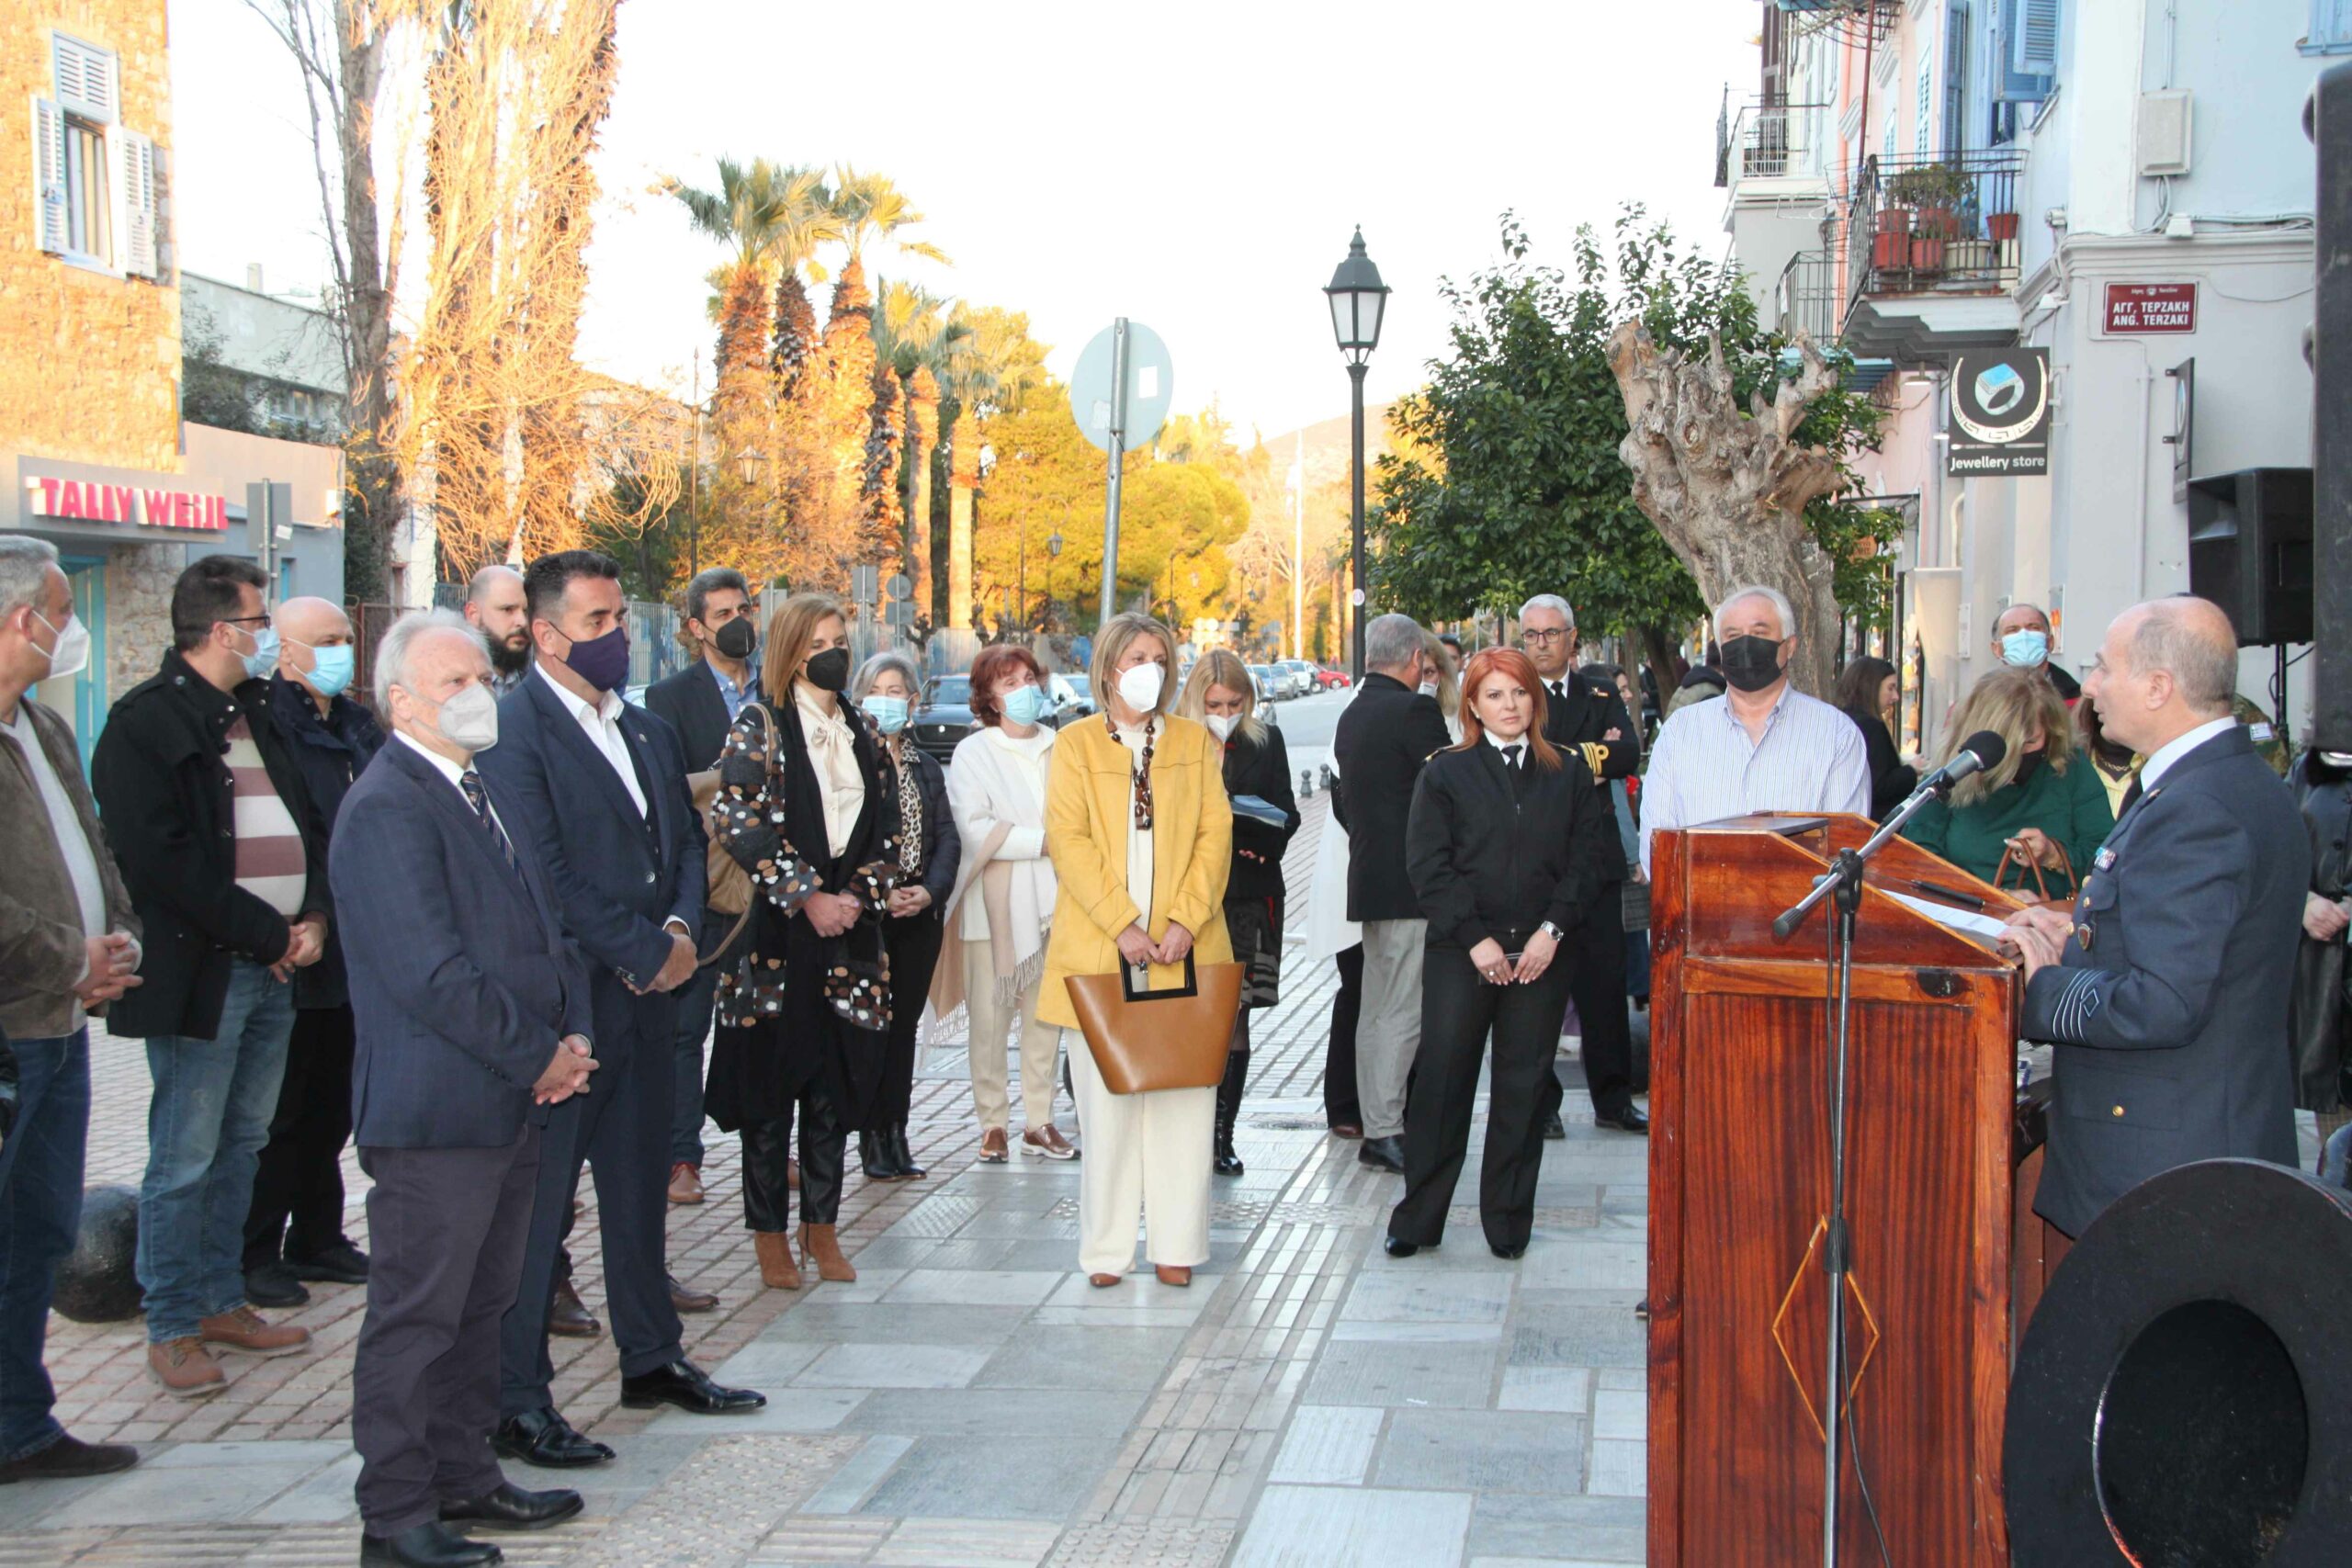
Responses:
[2137,307]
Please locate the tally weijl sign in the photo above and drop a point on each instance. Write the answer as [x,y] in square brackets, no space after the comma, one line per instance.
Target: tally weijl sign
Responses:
[143,506]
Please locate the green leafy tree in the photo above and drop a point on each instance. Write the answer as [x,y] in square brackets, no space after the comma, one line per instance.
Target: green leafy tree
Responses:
[1506,482]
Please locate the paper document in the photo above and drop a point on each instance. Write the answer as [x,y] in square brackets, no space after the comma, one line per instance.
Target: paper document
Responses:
[1959,919]
[1260,810]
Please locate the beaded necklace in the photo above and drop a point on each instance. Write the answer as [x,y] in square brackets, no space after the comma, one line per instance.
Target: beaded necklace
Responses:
[1141,770]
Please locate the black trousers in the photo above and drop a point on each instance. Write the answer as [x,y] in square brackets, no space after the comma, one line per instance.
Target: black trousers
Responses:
[446,1229]
[1340,1106]
[767,1149]
[913,943]
[1597,955]
[1458,1009]
[622,1126]
[297,1210]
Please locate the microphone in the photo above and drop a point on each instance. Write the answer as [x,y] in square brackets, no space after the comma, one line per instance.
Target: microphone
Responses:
[1982,751]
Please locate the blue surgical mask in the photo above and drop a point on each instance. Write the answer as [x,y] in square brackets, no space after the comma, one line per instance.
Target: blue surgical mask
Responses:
[264,658]
[889,713]
[331,669]
[2025,649]
[1025,704]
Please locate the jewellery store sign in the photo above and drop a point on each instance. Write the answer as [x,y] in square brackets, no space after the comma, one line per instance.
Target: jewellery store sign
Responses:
[98,498]
[2000,413]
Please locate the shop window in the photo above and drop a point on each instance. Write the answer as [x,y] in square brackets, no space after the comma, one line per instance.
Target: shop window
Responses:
[96,179]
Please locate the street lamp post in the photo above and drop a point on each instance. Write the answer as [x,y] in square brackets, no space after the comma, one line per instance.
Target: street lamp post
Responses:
[1358,300]
[1052,553]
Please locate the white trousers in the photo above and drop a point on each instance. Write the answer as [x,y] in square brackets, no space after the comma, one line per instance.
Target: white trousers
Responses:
[989,1024]
[1147,1156]
[1388,1030]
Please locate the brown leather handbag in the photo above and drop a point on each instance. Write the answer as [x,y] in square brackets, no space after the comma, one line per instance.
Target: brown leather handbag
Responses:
[2012,856]
[1174,1037]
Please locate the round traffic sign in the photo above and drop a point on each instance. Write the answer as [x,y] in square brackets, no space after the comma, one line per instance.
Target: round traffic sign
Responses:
[900,585]
[1151,387]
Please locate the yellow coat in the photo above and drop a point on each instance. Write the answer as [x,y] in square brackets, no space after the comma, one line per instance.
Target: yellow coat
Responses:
[1090,807]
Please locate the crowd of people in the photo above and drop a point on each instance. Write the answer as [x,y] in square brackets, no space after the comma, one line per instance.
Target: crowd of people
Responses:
[483,927]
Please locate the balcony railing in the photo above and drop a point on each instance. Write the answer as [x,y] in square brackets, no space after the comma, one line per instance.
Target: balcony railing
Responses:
[1927,225]
[1765,141]
[1806,298]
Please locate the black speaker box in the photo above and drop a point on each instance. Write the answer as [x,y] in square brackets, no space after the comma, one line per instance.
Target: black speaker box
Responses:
[2250,551]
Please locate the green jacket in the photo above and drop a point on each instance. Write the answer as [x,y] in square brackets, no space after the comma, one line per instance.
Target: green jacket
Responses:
[2071,808]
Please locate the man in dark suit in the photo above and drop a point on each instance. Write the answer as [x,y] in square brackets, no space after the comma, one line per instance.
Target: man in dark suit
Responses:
[2164,989]
[1390,729]
[1594,724]
[471,1015]
[599,786]
[700,702]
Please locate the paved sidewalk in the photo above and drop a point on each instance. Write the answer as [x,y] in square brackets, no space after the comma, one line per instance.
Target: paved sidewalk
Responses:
[971,1400]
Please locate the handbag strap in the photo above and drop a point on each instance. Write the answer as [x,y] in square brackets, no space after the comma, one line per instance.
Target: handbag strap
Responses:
[2012,855]
[768,720]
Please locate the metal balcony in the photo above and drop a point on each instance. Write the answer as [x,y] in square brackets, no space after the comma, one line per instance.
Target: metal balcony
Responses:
[1932,255]
[1766,141]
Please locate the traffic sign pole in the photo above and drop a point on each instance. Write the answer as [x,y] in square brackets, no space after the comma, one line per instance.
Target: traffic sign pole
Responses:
[1118,451]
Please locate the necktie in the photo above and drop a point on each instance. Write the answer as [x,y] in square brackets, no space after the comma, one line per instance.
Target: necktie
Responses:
[2131,796]
[1511,758]
[478,798]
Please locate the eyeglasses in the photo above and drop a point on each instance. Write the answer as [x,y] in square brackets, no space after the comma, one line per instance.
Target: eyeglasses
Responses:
[1545,634]
[260,620]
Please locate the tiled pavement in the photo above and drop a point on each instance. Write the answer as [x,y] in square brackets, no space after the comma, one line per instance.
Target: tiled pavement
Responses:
[972,1401]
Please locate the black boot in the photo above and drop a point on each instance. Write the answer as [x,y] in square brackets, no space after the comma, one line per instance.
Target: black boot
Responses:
[1228,1107]
[874,1154]
[905,1157]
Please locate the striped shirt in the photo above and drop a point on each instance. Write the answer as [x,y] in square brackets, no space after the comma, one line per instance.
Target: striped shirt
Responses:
[1704,767]
[270,864]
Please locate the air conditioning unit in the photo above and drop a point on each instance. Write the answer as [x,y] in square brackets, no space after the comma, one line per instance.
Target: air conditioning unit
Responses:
[2160,139]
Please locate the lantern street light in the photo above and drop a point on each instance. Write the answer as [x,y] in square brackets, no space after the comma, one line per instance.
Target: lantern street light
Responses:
[1358,300]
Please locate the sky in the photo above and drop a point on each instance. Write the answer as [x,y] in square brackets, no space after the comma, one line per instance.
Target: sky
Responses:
[1199,167]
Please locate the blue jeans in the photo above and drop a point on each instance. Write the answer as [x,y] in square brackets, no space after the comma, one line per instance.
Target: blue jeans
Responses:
[206,1126]
[40,1211]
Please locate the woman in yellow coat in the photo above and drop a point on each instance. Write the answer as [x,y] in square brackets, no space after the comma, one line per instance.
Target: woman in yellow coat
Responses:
[1142,840]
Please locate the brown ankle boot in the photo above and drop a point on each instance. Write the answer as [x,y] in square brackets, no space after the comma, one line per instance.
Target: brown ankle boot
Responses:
[820,1243]
[777,1271]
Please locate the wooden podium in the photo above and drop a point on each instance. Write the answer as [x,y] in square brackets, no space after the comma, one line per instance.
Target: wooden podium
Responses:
[1740,1196]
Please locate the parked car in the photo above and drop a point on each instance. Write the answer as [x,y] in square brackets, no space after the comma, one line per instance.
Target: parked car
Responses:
[943,716]
[1332,680]
[1073,698]
[1269,686]
[1299,674]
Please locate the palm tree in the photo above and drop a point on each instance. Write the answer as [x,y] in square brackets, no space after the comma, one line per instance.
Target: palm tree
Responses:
[804,220]
[913,340]
[743,213]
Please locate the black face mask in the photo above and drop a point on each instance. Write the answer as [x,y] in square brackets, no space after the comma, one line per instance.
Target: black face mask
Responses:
[1751,663]
[736,638]
[2028,764]
[829,670]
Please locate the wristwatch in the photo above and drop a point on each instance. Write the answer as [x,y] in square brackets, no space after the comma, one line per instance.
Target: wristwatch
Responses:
[1552,931]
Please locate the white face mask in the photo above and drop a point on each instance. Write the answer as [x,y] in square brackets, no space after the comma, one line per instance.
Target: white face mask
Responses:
[1139,686]
[469,720]
[1221,725]
[1428,688]
[72,649]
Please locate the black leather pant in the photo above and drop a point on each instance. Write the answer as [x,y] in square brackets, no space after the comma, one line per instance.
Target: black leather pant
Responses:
[767,1149]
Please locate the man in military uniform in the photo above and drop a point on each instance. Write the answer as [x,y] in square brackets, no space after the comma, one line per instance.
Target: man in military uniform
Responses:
[2164,989]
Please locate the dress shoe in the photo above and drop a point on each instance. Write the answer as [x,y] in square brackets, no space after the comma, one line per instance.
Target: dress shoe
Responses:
[1347,1130]
[686,1300]
[569,1319]
[905,1155]
[545,1438]
[1552,1128]
[821,1246]
[1176,1274]
[243,1331]
[1508,1254]
[271,1285]
[874,1157]
[429,1545]
[1394,1249]
[777,1270]
[1102,1281]
[340,1263]
[1629,1120]
[68,1458]
[512,1508]
[1386,1154]
[685,1183]
[689,1388]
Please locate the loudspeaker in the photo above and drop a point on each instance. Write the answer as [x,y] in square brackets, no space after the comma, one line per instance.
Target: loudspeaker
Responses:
[2182,1397]
[2250,551]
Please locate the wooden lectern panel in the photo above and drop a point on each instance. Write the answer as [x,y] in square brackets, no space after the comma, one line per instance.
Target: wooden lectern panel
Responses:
[1739,1190]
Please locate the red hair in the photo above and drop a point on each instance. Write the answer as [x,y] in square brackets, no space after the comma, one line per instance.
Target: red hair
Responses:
[992,667]
[1513,665]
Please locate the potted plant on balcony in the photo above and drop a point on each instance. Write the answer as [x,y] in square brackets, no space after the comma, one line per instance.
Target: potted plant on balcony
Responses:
[1936,193]
[1891,239]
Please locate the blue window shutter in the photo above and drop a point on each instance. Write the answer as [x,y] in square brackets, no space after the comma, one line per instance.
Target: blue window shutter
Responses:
[2011,83]
[2331,25]
[2035,52]
[1955,77]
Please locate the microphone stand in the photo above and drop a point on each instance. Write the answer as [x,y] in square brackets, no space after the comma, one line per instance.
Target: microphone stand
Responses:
[1843,881]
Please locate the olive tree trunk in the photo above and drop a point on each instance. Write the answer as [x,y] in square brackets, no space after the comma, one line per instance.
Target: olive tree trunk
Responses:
[1727,486]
